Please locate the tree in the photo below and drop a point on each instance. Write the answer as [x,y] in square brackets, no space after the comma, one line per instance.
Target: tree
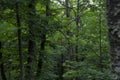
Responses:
[2,64]
[31,42]
[67,11]
[113,14]
[18,22]
[56,40]
[43,39]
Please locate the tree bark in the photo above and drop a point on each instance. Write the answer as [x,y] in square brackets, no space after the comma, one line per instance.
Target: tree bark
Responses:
[113,14]
[3,76]
[31,42]
[69,45]
[41,55]
[77,28]
[60,67]
[67,8]
[43,41]
[100,37]
[68,31]
[77,32]
[18,21]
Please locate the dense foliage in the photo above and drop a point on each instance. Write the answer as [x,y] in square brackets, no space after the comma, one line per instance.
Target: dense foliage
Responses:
[59,40]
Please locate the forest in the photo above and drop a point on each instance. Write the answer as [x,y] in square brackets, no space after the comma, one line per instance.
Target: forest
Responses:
[59,39]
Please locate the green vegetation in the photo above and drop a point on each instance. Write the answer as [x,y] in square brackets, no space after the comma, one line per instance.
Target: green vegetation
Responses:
[54,40]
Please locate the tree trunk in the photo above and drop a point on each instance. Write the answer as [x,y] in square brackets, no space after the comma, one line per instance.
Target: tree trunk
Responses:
[31,60]
[77,28]
[18,22]
[31,42]
[43,41]
[100,36]
[3,76]
[68,31]
[41,55]
[113,14]
[77,33]
[67,8]
[61,68]
[69,45]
